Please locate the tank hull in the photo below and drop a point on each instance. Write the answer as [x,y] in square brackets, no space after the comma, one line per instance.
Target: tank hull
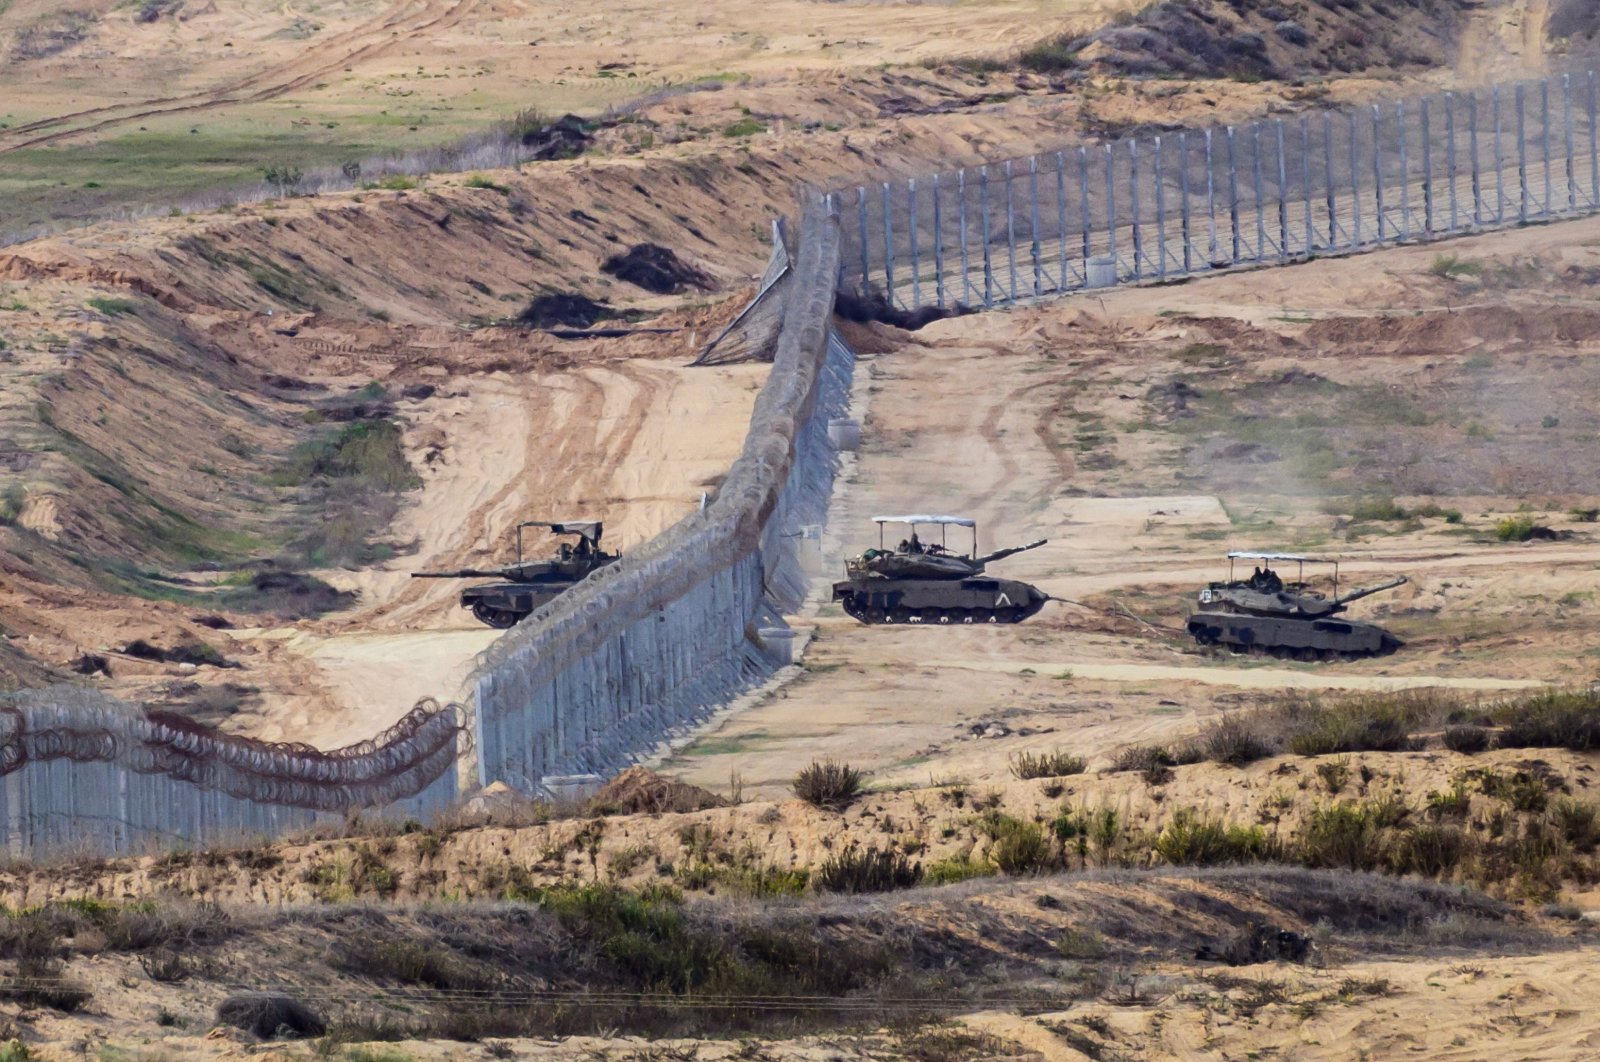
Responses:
[503,605]
[979,599]
[1323,638]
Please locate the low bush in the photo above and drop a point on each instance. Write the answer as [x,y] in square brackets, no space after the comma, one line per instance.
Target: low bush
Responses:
[1577,821]
[1430,850]
[1514,529]
[1018,847]
[828,784]
[1232,739]
[1142,758]
[409,962]
[1054,764]
[867,870]
[957,868]
[1377,722]
[1568,719]
[1467,739]
[1189,840]
[1346,835]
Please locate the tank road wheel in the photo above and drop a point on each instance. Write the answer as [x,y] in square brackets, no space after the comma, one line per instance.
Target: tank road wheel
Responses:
[961,615]
[937,615]
[1009,615]
[1307,654]
[900,615]
[980,615]
[498,618]
[873,615]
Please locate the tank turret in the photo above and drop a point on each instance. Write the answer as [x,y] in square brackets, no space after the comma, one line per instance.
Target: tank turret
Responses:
[920,582]
[1263,614]
[525,586]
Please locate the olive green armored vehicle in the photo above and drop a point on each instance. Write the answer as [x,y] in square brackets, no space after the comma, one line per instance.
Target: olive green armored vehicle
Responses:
[1263,614]
[920,582]
[523,587]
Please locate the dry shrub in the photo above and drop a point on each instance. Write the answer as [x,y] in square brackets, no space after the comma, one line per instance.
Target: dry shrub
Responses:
[1568,719]
[1232,739]
[1189,840]
[867,870]
[1055,764]
[1468,739]
[1018,847]
[828,784]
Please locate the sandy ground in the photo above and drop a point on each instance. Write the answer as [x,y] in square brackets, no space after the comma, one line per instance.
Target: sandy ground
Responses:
[976,416]
[629,443]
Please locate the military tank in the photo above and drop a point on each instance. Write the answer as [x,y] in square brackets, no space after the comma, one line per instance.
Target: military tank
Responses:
[1263,614]
[523,587]
[929,583]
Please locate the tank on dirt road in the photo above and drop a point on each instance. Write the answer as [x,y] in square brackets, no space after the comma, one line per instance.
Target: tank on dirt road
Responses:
[523,587]
[1265,615]
[928,583]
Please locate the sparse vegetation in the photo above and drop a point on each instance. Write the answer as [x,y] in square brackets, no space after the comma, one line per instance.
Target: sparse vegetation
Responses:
[828,784]
[1518,528]
[1054,764]
[867,870]
[1454,267]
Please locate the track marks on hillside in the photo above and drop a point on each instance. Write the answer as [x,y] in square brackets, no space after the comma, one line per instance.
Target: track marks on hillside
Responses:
[404,23]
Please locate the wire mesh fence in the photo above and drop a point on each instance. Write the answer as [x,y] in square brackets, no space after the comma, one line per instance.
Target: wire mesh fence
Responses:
[1195,201]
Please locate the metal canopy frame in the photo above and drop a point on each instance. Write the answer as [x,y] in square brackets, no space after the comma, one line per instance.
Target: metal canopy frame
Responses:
[942,522]
[1298,559]
[587,529]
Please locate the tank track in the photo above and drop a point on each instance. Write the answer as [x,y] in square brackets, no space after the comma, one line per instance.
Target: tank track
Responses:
[1287,652]
[935,617]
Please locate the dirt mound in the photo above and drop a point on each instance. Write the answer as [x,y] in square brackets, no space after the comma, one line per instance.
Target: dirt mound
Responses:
[270,1017]
[1574,21]
[639,790]
[656,268]
[565,138]
[1248,38]
[563,310]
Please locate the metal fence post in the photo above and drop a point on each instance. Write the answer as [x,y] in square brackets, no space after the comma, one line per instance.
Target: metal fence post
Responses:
[1477,172]
[1355,181]
[1211,197]
[988,256]
[888,246]
[1499,163]
[1522,155]
[1594,140]
[911,233]
[1283,196]
[1566,130]
[1377,164]
[1544,135]
[1011,233]
[1405,170]
[961,232]
[1427,172]
[1061,214]
[1233,195]
[1183,195]
[1450,146]
[1133,207]
[1261,206]
[1033,194]
[938,244]
[1305,177]
[1111,207]
[866,243]
[1161,217]
[1083,200]
[1327,180]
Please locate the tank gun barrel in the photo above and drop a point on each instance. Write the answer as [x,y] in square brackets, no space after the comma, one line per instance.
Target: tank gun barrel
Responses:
[1367,591]
[1000,554]
[468,573]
